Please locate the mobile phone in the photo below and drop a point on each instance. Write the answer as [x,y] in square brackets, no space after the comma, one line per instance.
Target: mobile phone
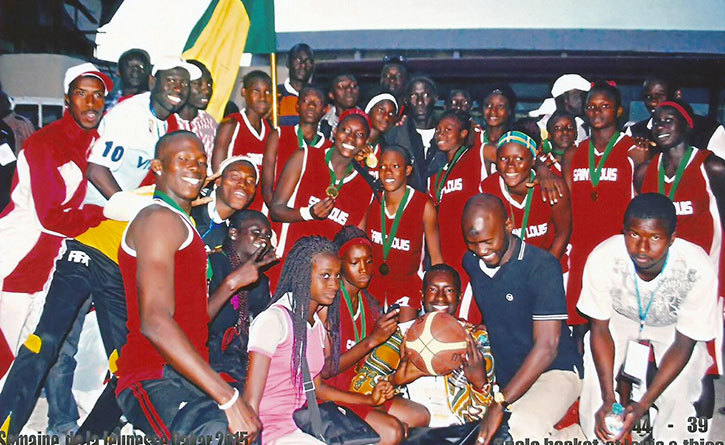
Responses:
[393,307]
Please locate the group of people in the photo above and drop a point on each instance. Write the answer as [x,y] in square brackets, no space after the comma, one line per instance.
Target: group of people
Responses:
[223,260]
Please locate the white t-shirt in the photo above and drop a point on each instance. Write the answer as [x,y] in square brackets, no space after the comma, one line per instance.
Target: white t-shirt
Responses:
[128,136]
[685,295]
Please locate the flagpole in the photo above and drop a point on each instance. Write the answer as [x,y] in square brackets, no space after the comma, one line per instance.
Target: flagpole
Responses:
[273,73]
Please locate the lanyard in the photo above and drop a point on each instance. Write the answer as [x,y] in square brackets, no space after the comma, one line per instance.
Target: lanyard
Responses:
[158,194]
[643,314]
[333,177]
[348,300]
[301,139]
[388,238]
[439,181]
[527,208]
[595,173]
[678,174]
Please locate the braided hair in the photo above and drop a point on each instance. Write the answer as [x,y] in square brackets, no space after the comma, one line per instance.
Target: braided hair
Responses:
[296,279]
[346,234]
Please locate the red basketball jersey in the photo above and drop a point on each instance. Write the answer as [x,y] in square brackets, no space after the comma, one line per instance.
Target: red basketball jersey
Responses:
[139,359]
[288,144]
[597,213]
[350,205]
[402,284]
[462,183]
[246,141]
[347,339]
[539,228]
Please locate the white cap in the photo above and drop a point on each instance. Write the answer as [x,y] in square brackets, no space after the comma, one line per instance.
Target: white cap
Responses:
[169,62]
[569,82]
[86,69]
[547,107]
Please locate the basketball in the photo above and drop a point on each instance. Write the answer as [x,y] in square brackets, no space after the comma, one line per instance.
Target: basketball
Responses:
[433,341]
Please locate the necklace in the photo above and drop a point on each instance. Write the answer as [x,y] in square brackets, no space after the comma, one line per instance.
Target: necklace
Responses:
[333,190]
[389,237]
[596,172]
[527,208]
[441,177]
[678,174]
[348,301]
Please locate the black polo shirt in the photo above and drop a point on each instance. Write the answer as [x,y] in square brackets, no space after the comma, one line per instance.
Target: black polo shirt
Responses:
[527,288]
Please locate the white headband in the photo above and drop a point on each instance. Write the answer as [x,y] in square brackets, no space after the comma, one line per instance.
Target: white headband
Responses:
[379,98]
[228,161]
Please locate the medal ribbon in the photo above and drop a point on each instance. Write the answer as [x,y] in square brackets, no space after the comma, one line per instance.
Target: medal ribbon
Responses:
[301,139]
[595,173]
[439,181]
[333,177]
[348,300]
[643,314]
[678,174]
[527,208]
[388,238]
[158,194]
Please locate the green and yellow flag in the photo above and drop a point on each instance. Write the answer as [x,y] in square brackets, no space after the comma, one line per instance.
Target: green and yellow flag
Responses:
[226,30]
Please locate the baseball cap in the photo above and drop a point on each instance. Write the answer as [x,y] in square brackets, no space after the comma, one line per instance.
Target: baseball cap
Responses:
[569,82]
[547,107]
[86,69]
[169,62]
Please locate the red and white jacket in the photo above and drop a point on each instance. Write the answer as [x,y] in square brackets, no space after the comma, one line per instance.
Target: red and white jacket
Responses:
[46,204]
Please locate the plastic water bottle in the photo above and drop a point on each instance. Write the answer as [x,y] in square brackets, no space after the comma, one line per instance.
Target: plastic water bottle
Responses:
[615,420]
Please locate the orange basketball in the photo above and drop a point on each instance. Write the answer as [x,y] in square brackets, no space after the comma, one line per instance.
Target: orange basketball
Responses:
[433,342]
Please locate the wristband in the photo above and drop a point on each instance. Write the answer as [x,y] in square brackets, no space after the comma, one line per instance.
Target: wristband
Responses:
[230,402]
[306,214]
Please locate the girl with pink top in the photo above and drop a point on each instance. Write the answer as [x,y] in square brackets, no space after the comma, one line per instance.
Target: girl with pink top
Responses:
[288,328]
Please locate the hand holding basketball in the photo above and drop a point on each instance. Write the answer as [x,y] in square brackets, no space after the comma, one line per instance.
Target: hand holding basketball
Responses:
[436,343]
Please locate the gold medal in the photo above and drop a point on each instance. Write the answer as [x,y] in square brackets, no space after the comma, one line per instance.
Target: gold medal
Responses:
[595,195]
[384,269]
[371,161]
[332,191]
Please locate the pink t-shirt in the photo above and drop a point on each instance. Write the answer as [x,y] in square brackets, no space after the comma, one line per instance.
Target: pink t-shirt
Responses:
[271,334]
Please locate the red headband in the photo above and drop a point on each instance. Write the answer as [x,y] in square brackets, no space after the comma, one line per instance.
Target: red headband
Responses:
[359,112]
[359,241]
[681,109]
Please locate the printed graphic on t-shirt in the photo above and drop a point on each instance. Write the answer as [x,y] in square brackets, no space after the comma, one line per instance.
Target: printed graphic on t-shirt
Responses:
[677,282]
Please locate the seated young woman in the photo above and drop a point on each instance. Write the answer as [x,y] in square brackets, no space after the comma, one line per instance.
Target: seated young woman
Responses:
[289,331]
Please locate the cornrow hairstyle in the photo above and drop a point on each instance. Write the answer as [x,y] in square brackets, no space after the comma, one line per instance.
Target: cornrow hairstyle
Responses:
[504,90]
[555,116]
[407,157]
[296,279]
[462,117]
[255,75]
[361,117]
[603,87]
[346,234]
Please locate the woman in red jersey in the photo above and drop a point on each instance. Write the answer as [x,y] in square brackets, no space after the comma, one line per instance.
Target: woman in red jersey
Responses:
[399,226]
